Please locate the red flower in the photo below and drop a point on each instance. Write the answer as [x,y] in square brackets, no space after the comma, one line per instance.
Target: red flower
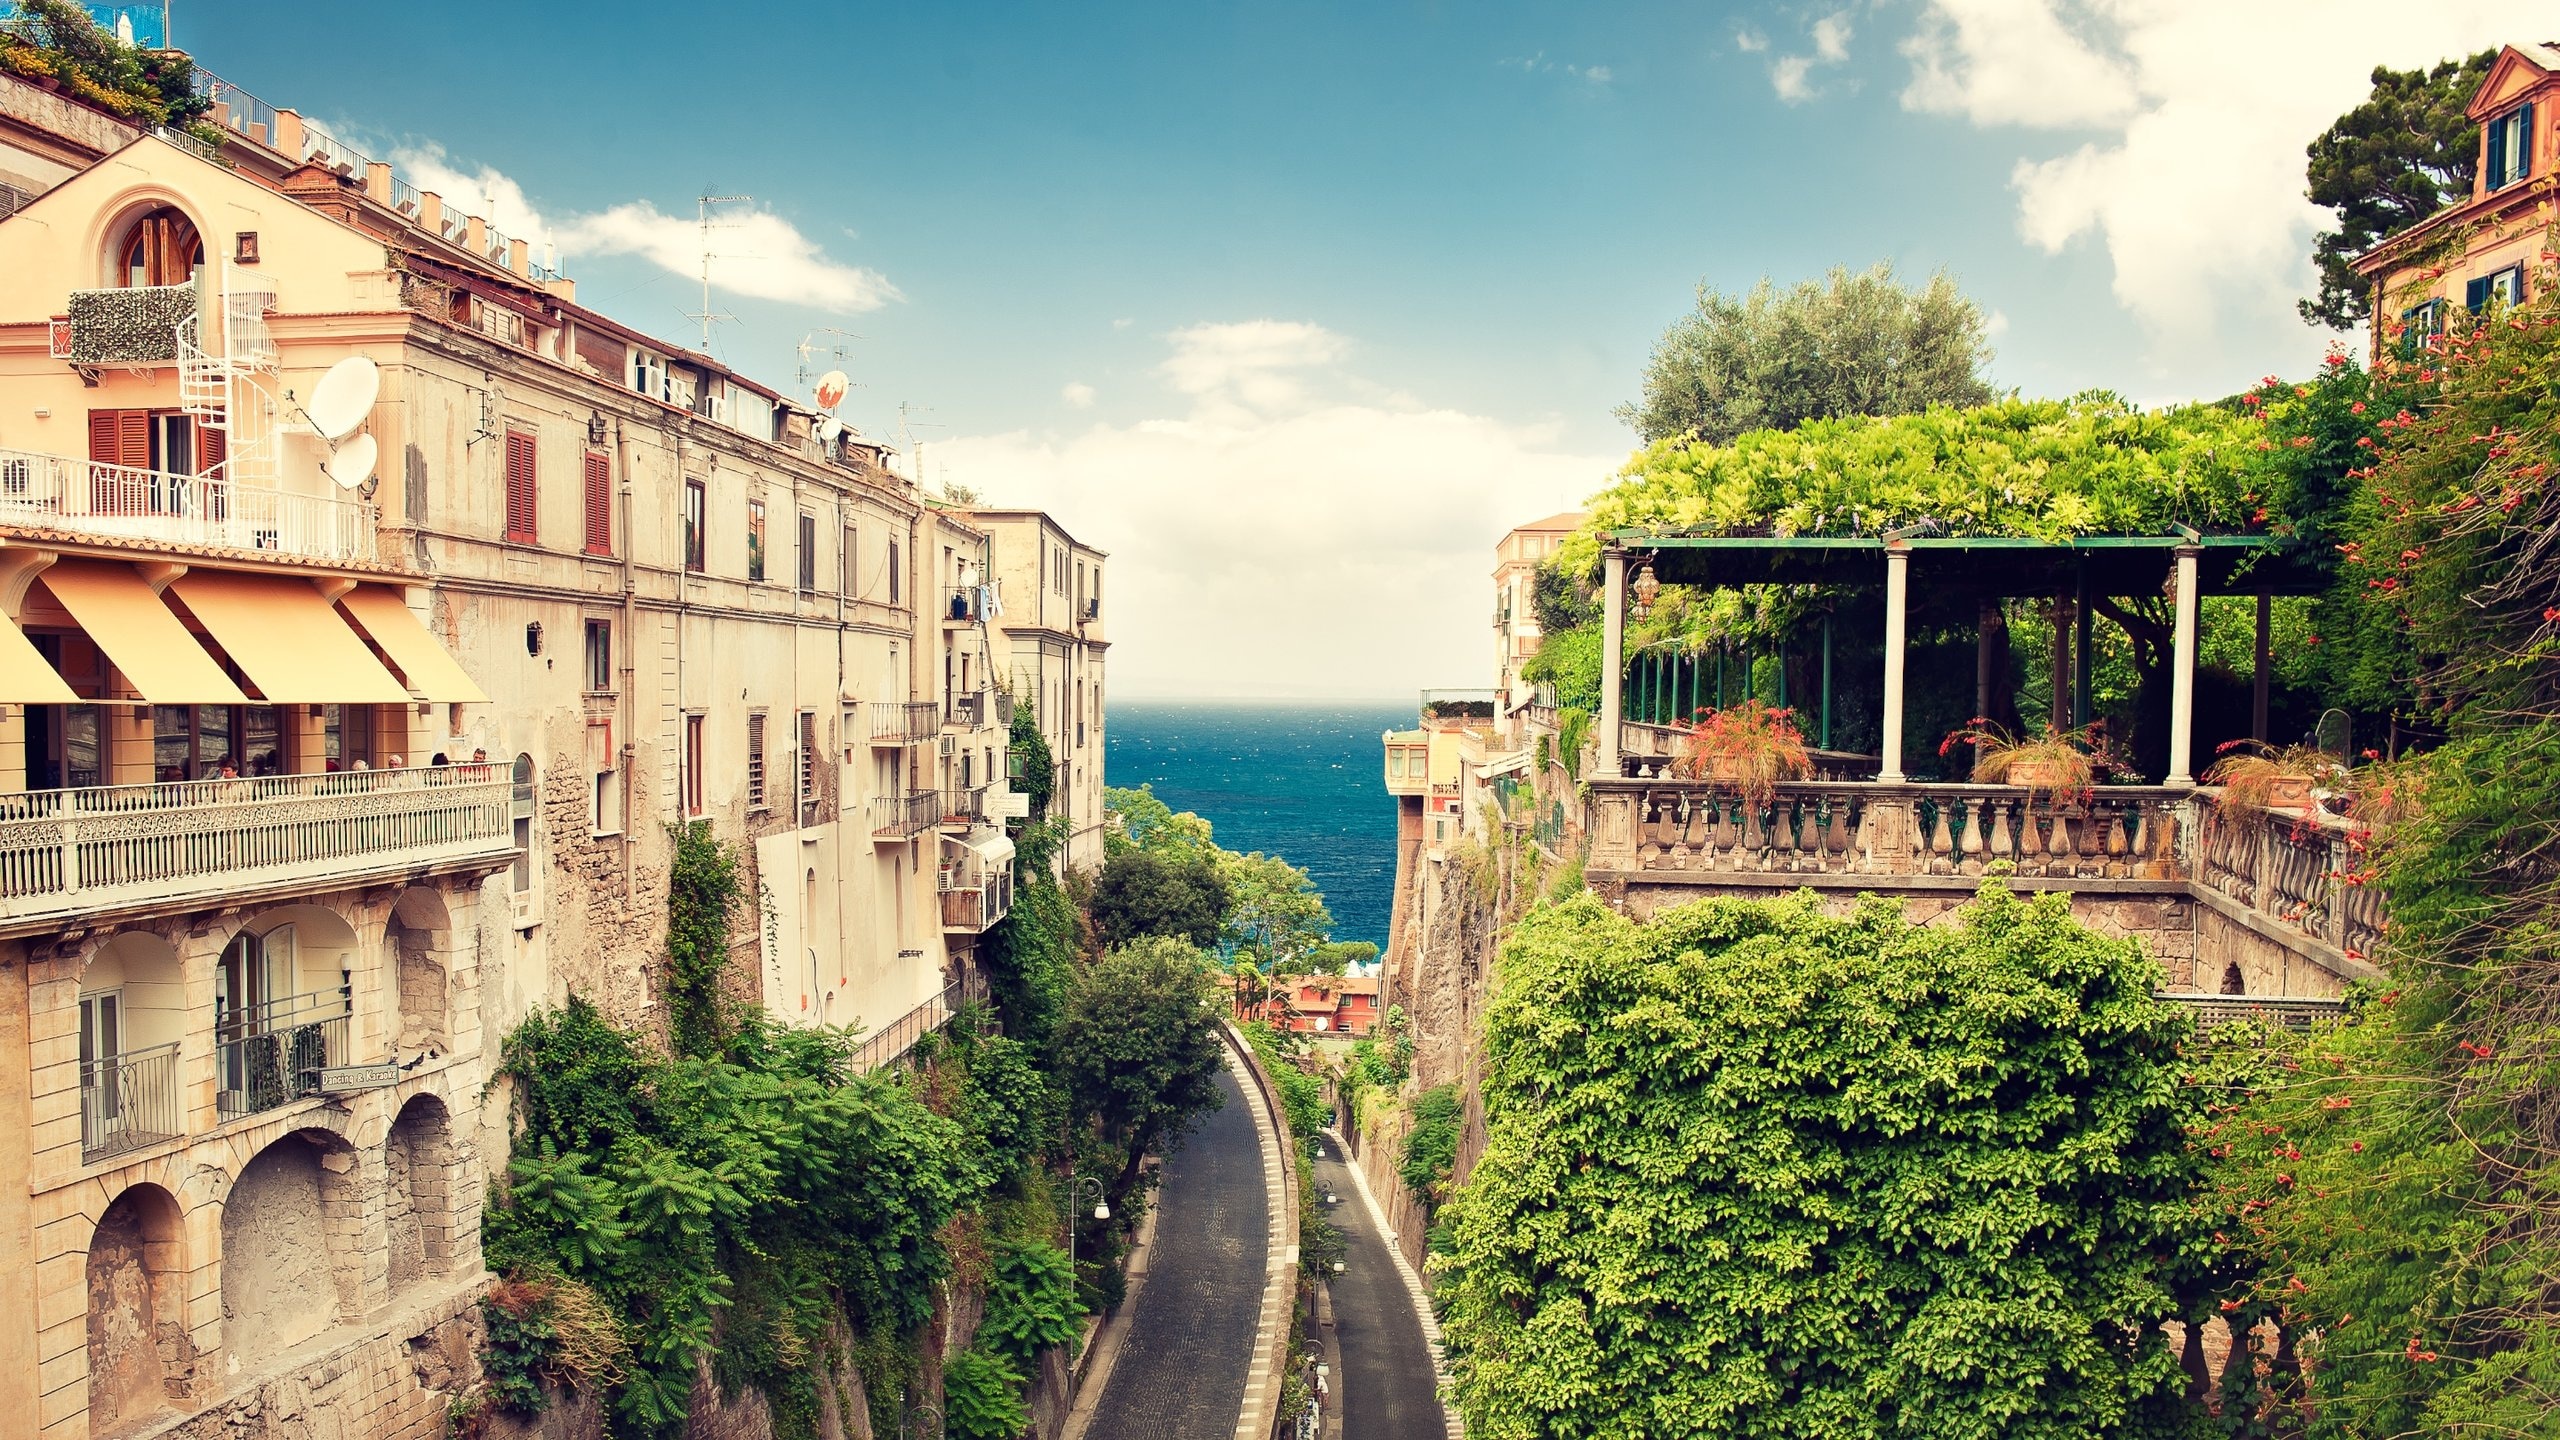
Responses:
[2356,409]
[2356,1145]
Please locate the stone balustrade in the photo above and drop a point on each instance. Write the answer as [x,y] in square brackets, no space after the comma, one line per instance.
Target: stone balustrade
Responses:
[2306,871]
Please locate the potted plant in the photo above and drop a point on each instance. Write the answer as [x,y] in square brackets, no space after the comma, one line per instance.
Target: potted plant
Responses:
[2256,775]
[1748,747]
[2054,763]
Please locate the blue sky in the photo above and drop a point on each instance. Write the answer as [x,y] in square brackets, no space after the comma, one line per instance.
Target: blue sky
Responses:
[1295,308]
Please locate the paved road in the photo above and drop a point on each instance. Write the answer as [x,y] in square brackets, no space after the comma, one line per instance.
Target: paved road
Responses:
[1182,1367]
[1386,1389]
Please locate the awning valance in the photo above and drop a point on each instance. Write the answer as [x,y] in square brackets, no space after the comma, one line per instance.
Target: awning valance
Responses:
[25,678]
[386,619]
[288,639]
[119,610]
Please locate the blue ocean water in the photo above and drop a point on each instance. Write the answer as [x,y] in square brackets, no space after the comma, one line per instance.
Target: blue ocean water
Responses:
[1302,780]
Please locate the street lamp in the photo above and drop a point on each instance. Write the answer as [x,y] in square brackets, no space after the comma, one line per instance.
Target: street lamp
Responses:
[1075,1193]
[907,1420]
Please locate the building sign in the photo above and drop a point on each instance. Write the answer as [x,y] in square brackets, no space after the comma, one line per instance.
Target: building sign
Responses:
[346,1079]
[1008,804]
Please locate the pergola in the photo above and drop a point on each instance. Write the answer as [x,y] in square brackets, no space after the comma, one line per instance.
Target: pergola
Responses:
[1982,568]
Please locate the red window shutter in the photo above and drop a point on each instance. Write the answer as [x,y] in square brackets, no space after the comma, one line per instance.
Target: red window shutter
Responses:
[213,447]
[134,429]
[599,504]
[520,488]
[105,445]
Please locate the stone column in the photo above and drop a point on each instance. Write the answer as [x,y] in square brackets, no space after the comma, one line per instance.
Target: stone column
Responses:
[2182,688]
[1613,658]
[1897,594]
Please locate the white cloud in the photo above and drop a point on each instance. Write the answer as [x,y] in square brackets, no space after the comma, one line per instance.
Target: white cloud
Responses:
[1275,532]
[1792,75]
[1596,74]
[755,253]
[1750,41]
[2194,180]
[1078,394]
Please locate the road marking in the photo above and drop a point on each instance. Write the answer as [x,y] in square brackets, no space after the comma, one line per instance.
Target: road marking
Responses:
[1413,1286]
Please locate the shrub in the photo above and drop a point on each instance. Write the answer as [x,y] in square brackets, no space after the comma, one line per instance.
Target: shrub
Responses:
[982,1397]
[1431,1146]
[1031,1302]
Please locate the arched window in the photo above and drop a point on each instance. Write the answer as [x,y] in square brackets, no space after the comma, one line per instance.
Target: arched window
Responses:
[161,247]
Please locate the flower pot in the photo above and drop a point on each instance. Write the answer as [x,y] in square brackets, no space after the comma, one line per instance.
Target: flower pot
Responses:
[2035,774]
[2289,792]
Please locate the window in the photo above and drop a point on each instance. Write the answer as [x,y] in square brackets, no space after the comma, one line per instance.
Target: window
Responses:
[808,553]
[693,514]
[692,780]
[164,440]
[755,539]
[755,761]
[848,573]
[599,503]
[2506,287]
[600,656]
[521,488]
[808,761]
[161,248]
[893,573]
[521,808]
[648,374]
[2418,323]
[2510,147]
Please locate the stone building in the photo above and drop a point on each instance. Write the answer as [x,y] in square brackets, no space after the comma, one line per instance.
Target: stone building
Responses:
[1049,633]
[338,735]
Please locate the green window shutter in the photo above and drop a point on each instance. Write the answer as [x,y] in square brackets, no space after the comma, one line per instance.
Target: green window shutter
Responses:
[2497,155]
[2475,295]
[2522,160]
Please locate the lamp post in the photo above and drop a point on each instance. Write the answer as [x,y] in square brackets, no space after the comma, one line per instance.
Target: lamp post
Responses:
[1075,1197]
[906,1423]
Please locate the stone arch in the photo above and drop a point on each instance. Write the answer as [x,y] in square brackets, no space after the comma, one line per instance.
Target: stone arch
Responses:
[422,1164]
[416,943]
[282,992]
[275,1280]
[2232,983]
[133,1013]
[140,1356]
[159,216]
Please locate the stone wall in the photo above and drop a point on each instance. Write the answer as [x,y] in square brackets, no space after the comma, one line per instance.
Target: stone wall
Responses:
[393,1380]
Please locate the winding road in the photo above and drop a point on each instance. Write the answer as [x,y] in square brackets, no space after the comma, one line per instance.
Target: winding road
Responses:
[1387,1388]
[1180,1373]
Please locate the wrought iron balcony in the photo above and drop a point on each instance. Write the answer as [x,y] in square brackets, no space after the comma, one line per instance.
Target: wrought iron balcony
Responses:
[907,722]
[964,806]
[903,816]
[87,497]
[891,1042]
[88,851]
[974,898]
[960,604]
[272,1054]
[129,1101]
[982,710]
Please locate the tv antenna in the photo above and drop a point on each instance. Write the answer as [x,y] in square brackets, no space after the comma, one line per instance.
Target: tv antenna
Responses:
[812,351]
[907,432]
[706,204]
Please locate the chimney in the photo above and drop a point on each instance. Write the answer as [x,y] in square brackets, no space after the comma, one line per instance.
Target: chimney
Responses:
[431,213]
[377,182]
[289,137]
[517,254]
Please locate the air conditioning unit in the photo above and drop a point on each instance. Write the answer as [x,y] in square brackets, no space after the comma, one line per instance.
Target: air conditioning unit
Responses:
[947,745]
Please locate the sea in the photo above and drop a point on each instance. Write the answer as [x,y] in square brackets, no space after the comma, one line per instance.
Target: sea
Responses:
[1303,780]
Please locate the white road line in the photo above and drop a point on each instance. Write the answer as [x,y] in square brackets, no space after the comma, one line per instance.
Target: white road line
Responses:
[1412,1282]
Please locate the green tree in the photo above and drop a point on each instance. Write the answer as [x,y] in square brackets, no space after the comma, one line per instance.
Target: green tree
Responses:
[1757,1170]
[1850,344]
[1336,957]
[2399,157]
[1144,892]
[1143,822]
[1138,1050]
[1275,915]
[1035,770]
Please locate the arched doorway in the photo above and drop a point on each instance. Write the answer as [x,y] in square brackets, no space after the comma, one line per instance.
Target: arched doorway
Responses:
[140,1357]
[160,246]
[278,1285]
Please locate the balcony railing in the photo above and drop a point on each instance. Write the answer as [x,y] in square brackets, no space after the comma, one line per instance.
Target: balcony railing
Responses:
[960,602]
[902,816]
[129,325]
[904,722]
[272,1054]
[982,710]
[2290,1013]
[891,1042]
[76,851]
[2303,869]
[90,498]
[964,806]
[129,1101]
[972,908]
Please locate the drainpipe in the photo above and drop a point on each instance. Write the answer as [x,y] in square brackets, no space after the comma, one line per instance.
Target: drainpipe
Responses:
[630,670]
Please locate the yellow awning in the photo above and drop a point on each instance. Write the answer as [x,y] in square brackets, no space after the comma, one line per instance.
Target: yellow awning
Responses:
[25,678]
[288,639]
[383,616]
[158,657]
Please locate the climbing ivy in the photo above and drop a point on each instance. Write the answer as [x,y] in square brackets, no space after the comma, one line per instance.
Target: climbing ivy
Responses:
[1756,1170]
[1431,1146]
[706,891]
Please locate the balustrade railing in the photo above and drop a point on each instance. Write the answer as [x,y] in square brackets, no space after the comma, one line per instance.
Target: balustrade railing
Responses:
[129,1101]
[2288,1012]
[901,816]
[2302,868]
[1647,752]
[973,904]
[904,722]
[66,850]
[272,1054]
[1862,828]
[93,498]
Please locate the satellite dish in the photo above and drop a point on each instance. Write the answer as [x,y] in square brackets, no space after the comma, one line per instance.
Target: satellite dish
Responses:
[351,464]
[829,430]
[344,398]
[831,388]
